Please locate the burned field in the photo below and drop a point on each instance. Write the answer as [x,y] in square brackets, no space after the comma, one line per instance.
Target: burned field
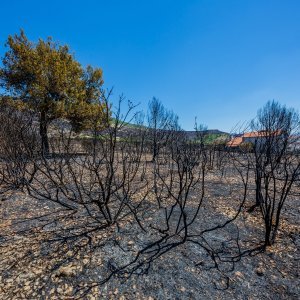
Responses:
[113,223]
[146,213]
[99,200]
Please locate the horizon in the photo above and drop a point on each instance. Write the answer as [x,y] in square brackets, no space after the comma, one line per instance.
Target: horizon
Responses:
[219,61]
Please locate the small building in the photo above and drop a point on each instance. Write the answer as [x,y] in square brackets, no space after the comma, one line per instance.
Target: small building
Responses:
[235,142]
[294,143]
[257,138]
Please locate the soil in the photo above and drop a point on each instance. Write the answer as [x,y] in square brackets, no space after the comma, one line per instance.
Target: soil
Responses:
[31,267]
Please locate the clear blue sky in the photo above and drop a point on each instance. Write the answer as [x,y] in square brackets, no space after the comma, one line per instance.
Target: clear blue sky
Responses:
[217,60]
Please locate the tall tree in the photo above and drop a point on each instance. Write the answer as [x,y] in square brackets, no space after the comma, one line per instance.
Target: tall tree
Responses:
[162,123]
[49,80]
[275,163]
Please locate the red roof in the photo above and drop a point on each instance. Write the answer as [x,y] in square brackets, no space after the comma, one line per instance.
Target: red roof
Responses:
[235,142]
[262,133]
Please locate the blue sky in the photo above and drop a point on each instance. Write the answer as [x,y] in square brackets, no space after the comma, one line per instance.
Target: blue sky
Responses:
[217,60]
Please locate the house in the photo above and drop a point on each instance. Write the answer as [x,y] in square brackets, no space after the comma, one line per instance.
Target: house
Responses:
[235,142]
[294,143]
[257,138]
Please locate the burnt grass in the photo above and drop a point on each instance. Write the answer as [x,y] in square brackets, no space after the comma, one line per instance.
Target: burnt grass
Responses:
[36,264]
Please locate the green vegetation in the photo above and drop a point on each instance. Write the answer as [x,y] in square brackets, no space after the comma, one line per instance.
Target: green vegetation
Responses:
[212,138]
[215,138]
[46,78]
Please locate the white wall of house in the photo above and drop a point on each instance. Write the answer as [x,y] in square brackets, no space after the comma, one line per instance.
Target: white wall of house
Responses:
[259,142]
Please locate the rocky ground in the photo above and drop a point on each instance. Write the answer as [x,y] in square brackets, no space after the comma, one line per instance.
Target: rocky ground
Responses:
[34,266]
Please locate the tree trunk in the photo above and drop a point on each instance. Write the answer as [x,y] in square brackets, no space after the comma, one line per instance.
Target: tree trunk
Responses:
[154,153]
[154,147]
[268,240]
[258,195]
[44,134]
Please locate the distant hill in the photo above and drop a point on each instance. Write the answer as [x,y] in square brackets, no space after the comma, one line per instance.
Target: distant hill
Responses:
[215,132]
[210,135]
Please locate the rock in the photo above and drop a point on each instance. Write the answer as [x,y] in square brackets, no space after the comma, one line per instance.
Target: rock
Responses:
[27,288]
[259,271]
[68,289]
[69,270]
[239,274]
